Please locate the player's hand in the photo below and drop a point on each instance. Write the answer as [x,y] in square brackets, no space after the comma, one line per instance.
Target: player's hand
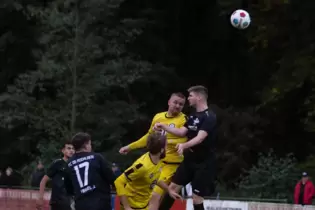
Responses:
[124,150]
[159,126]
[174,194]
[39,204]
[180,148]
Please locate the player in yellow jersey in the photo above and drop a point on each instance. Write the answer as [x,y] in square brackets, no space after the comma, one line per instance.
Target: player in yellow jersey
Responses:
[173,118]
[134,187]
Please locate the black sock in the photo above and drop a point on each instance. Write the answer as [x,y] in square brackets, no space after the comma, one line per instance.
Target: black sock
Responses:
[199,207]
[167,202]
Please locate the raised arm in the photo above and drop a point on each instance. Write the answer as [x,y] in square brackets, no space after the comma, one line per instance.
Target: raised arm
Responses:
[206,128]
[181,132]
[140,143]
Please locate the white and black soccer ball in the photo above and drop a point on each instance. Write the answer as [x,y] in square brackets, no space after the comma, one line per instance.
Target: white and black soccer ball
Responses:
[240,19]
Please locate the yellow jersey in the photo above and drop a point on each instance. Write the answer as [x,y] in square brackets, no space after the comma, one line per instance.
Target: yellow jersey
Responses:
[138,181]
[171,152]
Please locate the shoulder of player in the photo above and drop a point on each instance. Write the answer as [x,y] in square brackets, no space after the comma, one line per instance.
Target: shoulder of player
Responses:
[57,161]
[182,115]
[164,114]
[97,156]
[210,115]
[159,115]
[143,162]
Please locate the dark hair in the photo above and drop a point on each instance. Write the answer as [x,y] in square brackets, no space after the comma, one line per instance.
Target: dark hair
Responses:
[67,142]
[156,142]
[179,94]
[80,139]
[199,89]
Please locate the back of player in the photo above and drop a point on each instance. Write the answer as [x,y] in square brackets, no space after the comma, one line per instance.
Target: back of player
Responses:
[90,175]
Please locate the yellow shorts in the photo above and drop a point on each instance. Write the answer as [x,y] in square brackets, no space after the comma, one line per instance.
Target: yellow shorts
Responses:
[122,208]
[166,175]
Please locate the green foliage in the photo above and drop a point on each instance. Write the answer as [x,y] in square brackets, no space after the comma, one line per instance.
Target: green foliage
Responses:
[272,177]
[83,58]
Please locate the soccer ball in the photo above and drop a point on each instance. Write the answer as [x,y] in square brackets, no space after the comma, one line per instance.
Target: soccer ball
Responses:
[240,19]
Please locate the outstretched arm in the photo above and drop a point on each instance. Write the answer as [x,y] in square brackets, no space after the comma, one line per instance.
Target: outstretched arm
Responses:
[140,143]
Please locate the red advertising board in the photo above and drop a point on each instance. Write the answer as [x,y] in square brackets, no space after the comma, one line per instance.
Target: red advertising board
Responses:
[15,199]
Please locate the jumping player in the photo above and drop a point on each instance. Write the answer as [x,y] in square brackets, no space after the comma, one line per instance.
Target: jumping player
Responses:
[134,187]
[198,166]
[56,172]
[172,118]
[89,176]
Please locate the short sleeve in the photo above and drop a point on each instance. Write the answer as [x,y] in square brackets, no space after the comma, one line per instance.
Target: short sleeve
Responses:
[208,124]
[186,121]
[134,172]
[182,121]
[53,169]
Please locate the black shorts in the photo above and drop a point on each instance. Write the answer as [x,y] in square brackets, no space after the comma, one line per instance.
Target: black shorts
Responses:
[56,206]
[200,175]
[93,203]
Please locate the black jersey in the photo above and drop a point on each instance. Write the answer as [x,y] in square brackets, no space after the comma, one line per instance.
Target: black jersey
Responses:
[206,121]
[57,172]
[90,174]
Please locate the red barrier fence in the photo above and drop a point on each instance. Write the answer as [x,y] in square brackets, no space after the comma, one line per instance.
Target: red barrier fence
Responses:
[15,199]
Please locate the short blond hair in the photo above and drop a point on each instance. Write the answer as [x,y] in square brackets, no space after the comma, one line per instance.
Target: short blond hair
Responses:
[202,90]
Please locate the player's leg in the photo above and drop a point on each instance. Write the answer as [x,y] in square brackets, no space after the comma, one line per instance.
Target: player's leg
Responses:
[182,176]
[203,182]
[158,193]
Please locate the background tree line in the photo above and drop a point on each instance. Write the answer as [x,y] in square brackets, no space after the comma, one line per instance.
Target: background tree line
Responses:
[106,66]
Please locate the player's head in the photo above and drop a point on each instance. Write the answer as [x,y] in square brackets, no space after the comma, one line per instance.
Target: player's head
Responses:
[156,144]
[176,103]
[197,94]
[82,142]
[67,149]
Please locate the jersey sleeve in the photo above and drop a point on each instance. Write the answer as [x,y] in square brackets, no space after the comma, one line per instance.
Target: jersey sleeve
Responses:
[53,169]
[182,121]
[134,172]
[186,122]
[106,171]
[142,142]
[208,124]
[67,182]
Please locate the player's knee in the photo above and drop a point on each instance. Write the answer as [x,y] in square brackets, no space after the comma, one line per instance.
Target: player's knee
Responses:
[197,199]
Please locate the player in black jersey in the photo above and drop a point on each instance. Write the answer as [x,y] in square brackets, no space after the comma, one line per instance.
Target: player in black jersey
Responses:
[198,166]
[59,199]
[89,176]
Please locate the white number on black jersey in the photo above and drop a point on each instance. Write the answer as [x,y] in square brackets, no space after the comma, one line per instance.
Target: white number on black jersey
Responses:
[85,168]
